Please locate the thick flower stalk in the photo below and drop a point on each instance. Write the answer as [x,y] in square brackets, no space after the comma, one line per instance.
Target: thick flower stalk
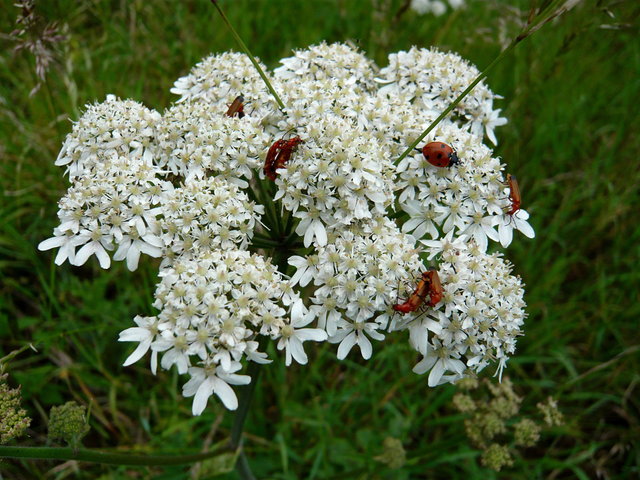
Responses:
[300,224]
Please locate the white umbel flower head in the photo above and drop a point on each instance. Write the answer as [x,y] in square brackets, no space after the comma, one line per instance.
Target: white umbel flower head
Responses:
[219,79]
[466,199]
[318,63]
[335,178]
[435,79]
[479,318]
[357,276]
[207,214]
[115,204]
[197,139]
[121,128]
[381,248]
[212,307]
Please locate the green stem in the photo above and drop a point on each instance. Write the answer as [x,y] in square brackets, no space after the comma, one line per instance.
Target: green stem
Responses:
[263,199]
[289,224]
[260,241]
[96,456]
[11,355]
[243,467]
[245,401]
[246,394]
[245,49]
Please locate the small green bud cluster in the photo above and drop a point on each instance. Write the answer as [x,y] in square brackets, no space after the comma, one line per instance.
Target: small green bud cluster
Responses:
[552,416]
[492,425]
[68,422]
[393,454]
[496,456]
[13,419]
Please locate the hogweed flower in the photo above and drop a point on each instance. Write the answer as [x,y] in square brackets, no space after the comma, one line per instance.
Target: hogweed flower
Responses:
[328,244]
[432,80]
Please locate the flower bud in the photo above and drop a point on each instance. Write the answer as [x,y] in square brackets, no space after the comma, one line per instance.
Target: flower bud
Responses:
[68,422]
[13,419]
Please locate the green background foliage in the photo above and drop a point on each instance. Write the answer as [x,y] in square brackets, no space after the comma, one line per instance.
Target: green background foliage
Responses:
[571,95]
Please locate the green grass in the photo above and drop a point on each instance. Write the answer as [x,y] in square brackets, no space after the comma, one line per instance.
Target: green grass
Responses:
[571,95]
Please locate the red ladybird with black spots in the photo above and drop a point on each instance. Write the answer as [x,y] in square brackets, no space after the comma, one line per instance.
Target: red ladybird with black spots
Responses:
[440,154]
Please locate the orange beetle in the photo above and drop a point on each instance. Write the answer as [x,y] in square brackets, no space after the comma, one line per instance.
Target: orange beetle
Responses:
[514,194]
[430,285]
[435,287]
[278,155]
[236,108]
[270,161]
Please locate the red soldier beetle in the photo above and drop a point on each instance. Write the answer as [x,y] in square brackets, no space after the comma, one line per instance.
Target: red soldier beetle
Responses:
[236,108]
[514,194]
[428,285]
[278,155]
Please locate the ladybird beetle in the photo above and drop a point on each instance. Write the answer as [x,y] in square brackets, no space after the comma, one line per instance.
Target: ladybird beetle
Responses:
[440,154]
[514,194]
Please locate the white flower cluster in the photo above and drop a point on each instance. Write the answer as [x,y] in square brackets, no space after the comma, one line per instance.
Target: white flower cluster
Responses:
[358,274]
[219,79]
[432,80]
[372,245]
[338,177]
[208,214]
[196,140]
[467,199]
[114,198]
[212,307]
[481,314]
[112,129]
[323,62]
[436,7]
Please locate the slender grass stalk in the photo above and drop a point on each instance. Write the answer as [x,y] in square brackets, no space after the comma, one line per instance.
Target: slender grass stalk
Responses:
[551,10]
[49,96]
[243,467]
[96,456]
[455,103]
[245,49]
[11,355]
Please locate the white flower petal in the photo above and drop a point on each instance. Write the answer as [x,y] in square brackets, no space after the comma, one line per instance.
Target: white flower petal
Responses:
[346,345]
